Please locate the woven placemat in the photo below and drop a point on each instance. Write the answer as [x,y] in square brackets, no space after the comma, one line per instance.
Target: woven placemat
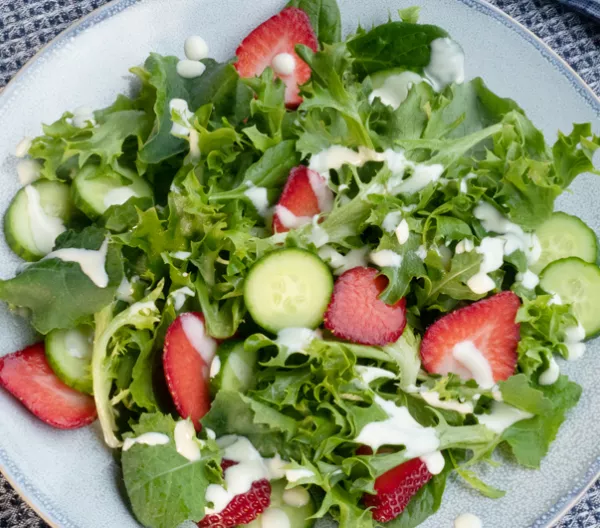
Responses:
[27,25]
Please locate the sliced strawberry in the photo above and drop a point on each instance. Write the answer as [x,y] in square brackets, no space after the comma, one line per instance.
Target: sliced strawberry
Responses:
[188,353]
[279,34]
[488,324]
[305,194]
[243,508]
[29,378]
[395,488]
[356,312]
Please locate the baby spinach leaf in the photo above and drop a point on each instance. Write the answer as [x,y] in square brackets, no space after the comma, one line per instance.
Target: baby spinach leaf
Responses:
[58,293]
[324,17]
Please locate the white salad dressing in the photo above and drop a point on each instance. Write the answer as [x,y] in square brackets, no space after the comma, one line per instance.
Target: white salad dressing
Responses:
[181,255]
[296,497]
[250,467]
[322,191]
[574,336]
[432,398]
[194,330]
[118,196]
[195,48]
[447,64]
[369,374]
[502,416]
[556,299]
[386,258]
[83,116]
[434,461]
[475,363]
[391,221]
[23,147]
[402,232]
[341,263]
[421,252]
[190,69]
[28,171]
[550,375]
[400,428]
[494,249]
[215,366]
[528,279]
[296,339]
[283,64]
[465,246]
[289,219]
[44,227]
[179,296]
[394,90]
[180,108]
[91,261]
[260,200]
[294,475]
[274,518]
[185,441]
[125,291]
[150,439]
[78,344]
[421,177]
[467,520]
[318,236]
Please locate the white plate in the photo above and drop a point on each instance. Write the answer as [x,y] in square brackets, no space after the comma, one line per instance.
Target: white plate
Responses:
[70,478]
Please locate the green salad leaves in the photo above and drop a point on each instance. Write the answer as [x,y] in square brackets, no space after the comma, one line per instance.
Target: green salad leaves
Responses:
[216,162]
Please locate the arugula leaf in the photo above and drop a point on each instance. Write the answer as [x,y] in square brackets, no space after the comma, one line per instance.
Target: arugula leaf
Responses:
[394,45]
[165,488]
[58,293]
[324,17]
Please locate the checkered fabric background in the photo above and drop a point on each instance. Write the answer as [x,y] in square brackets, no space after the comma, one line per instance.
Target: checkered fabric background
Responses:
[27,25]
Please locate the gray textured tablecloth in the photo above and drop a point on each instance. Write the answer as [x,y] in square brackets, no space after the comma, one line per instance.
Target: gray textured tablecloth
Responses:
[26,25]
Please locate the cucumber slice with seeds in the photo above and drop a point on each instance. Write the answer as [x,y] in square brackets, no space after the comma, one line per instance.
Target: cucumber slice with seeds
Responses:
[289,288]
[237,368]
[577,283]
[69,353]
[94,193]
[54,200]
[563,236]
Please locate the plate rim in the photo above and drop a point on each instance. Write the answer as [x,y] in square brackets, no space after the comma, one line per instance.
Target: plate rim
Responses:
[36,499]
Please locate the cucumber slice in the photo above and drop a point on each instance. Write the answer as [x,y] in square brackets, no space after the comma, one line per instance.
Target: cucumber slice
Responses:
[578,283]
[94,193]
[236,368]
[24,234]
[69,353]
[563,236]
[296,504]
[289,288]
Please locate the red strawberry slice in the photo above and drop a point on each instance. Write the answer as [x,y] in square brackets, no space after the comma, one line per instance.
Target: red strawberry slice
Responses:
[305,194]
[279,34]
[357,314]
[29,378]
[488,324]
[395,488]
[243,508]
[187,356]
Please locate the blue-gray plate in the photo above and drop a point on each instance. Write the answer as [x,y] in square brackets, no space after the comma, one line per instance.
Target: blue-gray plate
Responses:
[70,478]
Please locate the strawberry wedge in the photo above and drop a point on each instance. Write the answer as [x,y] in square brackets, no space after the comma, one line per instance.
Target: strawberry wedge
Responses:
[188,353]
[29,378]
[243,508]
[476,342]
[395,488]
[273,41]
[357,314]
[305,195]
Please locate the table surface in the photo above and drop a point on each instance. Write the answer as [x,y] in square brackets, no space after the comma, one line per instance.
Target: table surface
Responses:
[27,25]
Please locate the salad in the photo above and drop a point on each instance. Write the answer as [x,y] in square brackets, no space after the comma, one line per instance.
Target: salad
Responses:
[311,282]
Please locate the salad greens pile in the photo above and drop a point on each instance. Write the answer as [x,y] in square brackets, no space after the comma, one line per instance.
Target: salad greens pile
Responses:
[198,229]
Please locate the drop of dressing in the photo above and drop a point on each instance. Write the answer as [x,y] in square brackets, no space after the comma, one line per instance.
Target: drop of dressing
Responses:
[44,227]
